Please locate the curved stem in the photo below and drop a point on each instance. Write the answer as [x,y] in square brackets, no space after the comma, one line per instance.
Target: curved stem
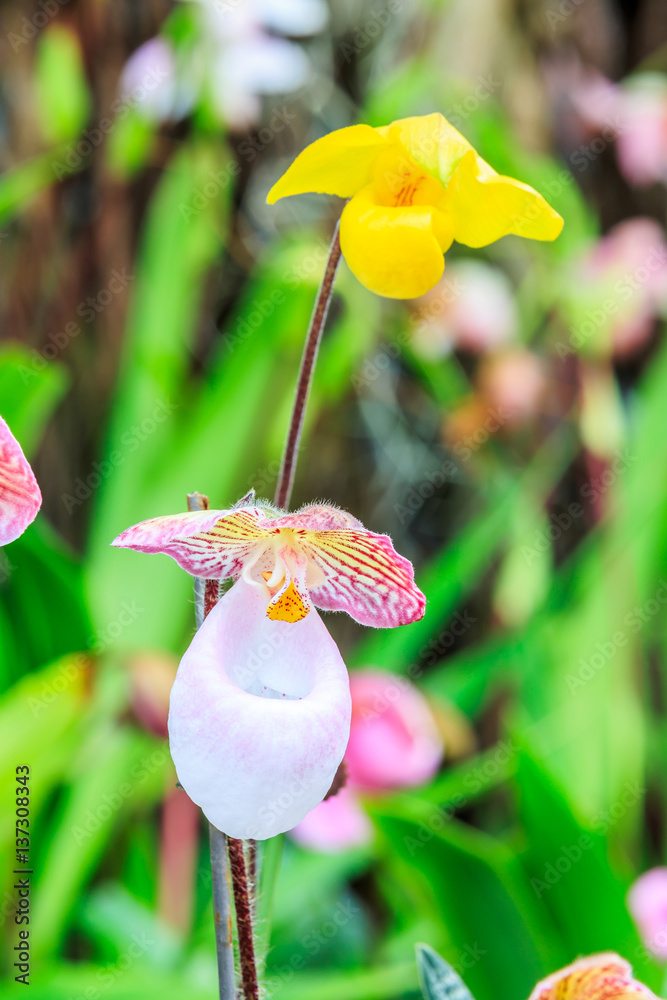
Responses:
[306,372]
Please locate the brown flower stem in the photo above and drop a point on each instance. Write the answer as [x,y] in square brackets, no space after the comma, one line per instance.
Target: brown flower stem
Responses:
[206,595]
[306,372]
[244,927]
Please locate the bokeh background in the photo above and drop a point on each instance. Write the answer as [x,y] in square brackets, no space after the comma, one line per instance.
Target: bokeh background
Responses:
[508,431]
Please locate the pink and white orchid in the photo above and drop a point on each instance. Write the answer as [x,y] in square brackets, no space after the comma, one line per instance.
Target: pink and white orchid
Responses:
[605,976]
[260,710]
[647,902]
[20,498]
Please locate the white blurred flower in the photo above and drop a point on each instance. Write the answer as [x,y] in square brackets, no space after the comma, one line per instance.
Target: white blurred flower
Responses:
[237,59]
[472,307]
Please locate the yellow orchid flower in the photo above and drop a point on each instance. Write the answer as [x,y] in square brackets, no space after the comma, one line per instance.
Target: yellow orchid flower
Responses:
[415,186]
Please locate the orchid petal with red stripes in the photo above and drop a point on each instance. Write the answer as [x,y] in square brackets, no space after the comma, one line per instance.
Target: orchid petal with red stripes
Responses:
[605,976]
[364,576]
[20,498]
[215,544]
[319,517]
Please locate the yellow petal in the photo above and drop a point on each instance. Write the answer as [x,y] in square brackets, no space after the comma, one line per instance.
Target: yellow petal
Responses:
[485,205]
[396,252]
[431,140]
[339,163]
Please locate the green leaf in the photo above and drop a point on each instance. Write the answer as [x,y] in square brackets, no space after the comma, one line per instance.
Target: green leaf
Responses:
[570,872]
[130,143]
[491,927]
[447,578]
[63,100]
[153,398]
[115,920]
[42,595]
[122,771]
[30,390]
[437,978]
[39,717]
[19,185]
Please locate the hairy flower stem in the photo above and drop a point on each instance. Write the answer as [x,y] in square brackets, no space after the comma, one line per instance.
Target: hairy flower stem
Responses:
[306,372]
[244,928]
[206,595]
[253,872]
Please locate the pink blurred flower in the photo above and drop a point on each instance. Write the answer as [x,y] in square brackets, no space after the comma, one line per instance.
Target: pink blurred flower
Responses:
[641,144]
[635,114]
[394,743]
[647,902]
[619,288]
[336,824]
[472,307]
[20,497]
[259,713]
[513,383]
[605,976]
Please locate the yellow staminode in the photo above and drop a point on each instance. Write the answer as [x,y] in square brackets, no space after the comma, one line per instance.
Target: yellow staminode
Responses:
[415,186]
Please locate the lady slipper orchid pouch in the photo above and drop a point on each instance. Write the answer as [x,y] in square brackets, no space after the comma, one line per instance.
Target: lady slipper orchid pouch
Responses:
[260,711]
